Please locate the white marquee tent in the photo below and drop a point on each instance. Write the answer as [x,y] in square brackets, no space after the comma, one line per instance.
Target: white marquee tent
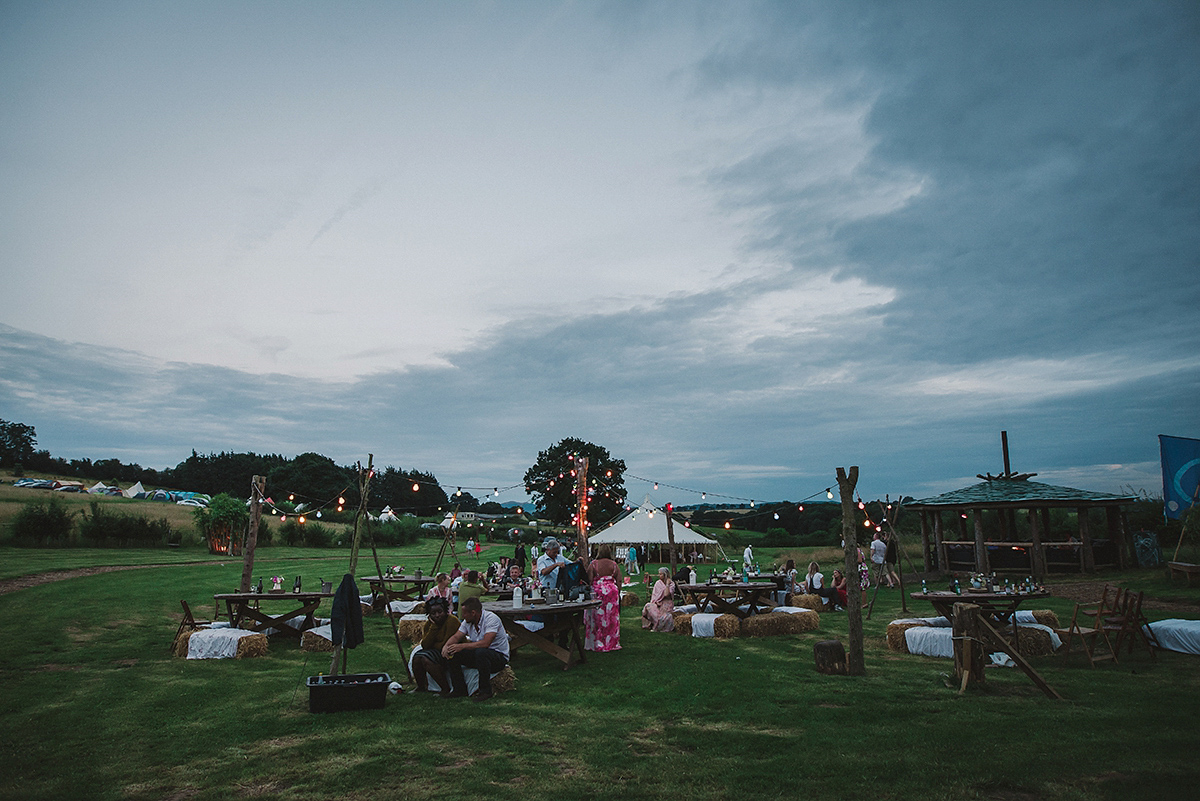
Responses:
[647,525]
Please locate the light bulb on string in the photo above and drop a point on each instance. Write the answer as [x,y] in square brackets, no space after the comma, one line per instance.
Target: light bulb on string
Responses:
[416,487]
[777,515]
[318,514]
[496,490]
[751,503]
[608,474]
[459,493]
[283,518]
[800,508]
[656,485]
[862,505]
[866,524]
[301,518]
[341,501]
[726,524]
[704,495]
[829,493]
[291,497]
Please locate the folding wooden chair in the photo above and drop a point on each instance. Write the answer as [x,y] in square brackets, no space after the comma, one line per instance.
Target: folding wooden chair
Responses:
[188,623]
[1088,635]
[1110,602]
[1128,622]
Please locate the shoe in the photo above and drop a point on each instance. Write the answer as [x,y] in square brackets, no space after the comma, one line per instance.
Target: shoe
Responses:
[483,696]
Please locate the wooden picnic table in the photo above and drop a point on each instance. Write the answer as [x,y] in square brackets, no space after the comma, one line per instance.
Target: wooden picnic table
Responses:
[398,588]
[557,618]
[1000,607]
[247,606]
[730,597]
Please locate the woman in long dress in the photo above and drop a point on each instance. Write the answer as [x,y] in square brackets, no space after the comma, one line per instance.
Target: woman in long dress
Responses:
[602,624]
[658,615]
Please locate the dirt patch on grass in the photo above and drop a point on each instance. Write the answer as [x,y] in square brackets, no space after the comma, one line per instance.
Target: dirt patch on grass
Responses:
[1086,592]
[36,580]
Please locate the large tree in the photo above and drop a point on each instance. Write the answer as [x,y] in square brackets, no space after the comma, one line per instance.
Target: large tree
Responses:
[17,442]
[551,482]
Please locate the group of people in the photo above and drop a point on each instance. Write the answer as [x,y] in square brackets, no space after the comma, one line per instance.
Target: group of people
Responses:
[476,637]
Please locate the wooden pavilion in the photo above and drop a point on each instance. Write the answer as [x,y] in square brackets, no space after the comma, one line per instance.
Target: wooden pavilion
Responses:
[998,540]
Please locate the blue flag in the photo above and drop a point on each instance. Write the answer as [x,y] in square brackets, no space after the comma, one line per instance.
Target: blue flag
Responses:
[1181,473]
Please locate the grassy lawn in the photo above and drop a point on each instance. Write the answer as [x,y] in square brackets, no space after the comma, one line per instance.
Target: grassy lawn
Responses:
[96,708]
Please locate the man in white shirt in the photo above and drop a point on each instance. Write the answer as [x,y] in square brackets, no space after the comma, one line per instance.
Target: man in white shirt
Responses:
[481,643]
[748,557]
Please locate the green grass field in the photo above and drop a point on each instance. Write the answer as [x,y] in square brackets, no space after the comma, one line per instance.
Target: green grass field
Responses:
[96,708]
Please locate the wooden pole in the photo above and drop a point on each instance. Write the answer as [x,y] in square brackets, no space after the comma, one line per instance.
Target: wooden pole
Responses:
[925,542]
[1038,557]
[968,645]
[364,487]
[258,487]
[388,606]
[581,502]
[981,557]
[671,539]
[1085,540]
[855,663]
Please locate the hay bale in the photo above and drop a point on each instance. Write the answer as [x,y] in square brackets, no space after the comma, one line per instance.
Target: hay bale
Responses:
[1033,641]
[813,602]
[252,646]
[630,599]
[181,645]
[411,629]
[312,641]
[726,627]
[895,634]
[367,609]
[788,598]
[505,680]
[1046,617]
[683,624]
[774,624]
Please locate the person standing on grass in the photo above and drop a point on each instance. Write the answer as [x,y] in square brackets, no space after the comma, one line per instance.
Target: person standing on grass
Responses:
[481,643]
[437,630]
[602,624]
[471,546]
[878,553]
[549,563]
[631,561]
[890,555]
[748,557]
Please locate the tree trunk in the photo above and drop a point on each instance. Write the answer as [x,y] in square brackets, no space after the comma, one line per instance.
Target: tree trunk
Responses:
[846,483]
[258,487]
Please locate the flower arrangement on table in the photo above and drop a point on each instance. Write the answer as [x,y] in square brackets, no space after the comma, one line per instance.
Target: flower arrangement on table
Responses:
[276,583]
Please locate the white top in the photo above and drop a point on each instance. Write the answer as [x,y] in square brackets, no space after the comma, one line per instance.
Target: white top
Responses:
[878,551]
[816,582]
[747,556]
[488,621]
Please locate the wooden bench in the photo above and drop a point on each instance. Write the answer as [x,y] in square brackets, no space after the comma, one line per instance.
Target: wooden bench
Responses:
[1185,569]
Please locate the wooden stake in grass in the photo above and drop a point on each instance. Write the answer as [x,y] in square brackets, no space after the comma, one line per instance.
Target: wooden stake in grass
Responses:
[258,488]
[855,662]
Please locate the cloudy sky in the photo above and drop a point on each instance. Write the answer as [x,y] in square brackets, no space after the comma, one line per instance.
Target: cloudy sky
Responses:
[738,244]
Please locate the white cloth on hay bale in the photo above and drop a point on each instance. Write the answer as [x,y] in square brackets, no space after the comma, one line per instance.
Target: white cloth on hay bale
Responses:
[930,641]
[325,631]
[219,643]
[935,622]
[1055,640]
[532,625]
[366,599]
[703,624]
[794,610]
[403,607]
[1177,634]
[687,609]
[470,676]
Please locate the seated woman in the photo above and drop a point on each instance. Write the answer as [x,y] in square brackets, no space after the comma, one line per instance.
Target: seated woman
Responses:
[789,576]
[840,588]
[816,582]
[441,587]
[428,659]
[658,614]
[472,587]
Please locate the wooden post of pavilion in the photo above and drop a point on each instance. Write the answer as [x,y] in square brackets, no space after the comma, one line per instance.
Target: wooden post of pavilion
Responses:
[671,539]
[258,487]
[1037,559]
[981,556]
[939,541]
[1085,540]
[925,542]
[855,664]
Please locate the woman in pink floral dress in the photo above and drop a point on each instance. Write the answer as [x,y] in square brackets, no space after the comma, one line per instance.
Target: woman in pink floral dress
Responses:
[658,615]
[602,624]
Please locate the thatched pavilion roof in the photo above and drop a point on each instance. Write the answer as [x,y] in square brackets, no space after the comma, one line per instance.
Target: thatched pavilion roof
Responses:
[1016,493]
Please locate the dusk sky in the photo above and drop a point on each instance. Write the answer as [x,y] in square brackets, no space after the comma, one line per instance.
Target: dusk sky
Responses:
[737,244]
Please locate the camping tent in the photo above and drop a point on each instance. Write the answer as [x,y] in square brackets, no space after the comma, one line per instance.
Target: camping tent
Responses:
[647,525]
[136,490]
